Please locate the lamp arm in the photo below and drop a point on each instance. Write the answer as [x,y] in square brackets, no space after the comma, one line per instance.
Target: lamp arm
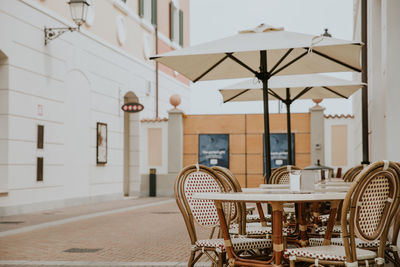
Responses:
[53,33]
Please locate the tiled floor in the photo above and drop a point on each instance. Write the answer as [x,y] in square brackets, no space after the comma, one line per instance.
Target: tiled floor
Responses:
[125,232]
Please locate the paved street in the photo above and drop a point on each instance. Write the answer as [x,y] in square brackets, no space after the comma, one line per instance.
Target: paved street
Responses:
[130,232]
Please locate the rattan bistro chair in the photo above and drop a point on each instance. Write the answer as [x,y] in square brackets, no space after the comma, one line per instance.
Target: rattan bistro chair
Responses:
[349,176]
[372,202]
[281,174]
[202,213]
[249,225]
[352,173]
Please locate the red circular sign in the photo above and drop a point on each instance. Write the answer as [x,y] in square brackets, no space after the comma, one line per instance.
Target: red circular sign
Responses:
[132,107]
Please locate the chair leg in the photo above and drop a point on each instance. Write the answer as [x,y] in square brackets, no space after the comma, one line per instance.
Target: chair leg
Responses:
[220,261]
[292,263]
[192,255]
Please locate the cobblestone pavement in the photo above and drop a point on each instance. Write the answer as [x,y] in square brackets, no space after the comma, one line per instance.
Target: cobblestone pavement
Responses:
[132,232]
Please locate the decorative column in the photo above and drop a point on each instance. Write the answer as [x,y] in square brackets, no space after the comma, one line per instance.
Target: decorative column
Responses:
[317,133]
[175,136]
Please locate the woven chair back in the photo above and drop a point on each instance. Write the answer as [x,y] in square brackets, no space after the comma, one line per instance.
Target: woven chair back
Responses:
[282,174]
[352,173]
[227,174]
[372,200]
[231,183]
[197,179]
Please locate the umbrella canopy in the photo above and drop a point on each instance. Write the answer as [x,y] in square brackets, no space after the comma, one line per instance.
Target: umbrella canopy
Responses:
[290,88]
[264,52]
[225,58]
[308,86]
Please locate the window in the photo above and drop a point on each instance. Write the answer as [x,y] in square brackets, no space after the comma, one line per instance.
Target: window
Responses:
[176,24]
[148,10]
[39,169]
[40,136]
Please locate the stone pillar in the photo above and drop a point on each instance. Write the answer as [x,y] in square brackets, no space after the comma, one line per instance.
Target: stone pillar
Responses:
[317,133]
[175,141]
[165,182]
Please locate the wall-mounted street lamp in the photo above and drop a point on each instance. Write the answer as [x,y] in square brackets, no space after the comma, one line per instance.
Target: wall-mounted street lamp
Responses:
[79,10]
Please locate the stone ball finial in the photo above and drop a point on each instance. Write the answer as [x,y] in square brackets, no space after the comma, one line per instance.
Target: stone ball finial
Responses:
[175,100]
[317,101]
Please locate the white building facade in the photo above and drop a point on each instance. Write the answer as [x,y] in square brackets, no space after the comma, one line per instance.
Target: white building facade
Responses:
[53,96]
[383,80]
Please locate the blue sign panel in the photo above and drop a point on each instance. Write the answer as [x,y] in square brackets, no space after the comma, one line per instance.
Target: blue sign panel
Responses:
[279,152]
[214,150]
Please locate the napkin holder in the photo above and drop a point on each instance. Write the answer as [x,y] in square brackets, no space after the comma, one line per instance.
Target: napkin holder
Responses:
[303,181]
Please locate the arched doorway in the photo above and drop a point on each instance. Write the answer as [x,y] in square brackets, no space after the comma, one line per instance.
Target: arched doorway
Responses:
[131,149]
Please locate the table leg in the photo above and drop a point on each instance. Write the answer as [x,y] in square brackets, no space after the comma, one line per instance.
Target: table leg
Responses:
[331,222]
[233,259]
[277,237]
[224,230]
[316,213]
[302,225]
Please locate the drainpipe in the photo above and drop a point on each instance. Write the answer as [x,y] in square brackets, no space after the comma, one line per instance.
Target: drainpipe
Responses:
[156,38]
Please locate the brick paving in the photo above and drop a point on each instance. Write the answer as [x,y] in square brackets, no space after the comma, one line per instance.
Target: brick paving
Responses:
[59,214]
[152,234]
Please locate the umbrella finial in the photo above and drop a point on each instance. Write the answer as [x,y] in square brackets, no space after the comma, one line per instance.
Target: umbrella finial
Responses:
[262,28]
[326,33]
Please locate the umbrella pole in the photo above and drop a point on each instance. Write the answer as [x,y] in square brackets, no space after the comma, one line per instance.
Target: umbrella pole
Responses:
[289,129]
[264,76]
[364,73]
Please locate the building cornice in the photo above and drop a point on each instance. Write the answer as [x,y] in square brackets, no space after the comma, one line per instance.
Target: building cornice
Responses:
[124,8]
[97,39]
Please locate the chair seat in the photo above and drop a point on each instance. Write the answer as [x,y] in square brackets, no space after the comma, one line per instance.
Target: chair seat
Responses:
[238,243]
[322,229]
[257,229]
[324,218]
[256,217]
[339,242]
[330,253]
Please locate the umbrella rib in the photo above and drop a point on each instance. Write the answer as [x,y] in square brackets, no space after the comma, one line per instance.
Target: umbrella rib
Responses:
[233,97]
[334,60]
[241,63]
[334,92]
[211,68]
[280,60]
[271,92]
[289,63]
[305,90]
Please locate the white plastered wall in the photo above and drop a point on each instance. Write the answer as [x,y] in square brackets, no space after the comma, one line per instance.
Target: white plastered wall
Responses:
[383,80]
[68,86]
[339,121]
[144,166]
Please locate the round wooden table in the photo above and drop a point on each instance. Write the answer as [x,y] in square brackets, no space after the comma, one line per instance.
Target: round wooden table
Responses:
[276,198]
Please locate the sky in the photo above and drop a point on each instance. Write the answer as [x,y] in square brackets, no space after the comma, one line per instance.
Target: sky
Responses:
[214,19]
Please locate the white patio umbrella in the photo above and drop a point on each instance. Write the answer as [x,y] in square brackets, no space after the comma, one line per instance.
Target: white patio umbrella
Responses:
[263,52]
[290,88]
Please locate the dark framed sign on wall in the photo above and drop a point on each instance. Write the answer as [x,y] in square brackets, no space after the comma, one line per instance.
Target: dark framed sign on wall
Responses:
[279,151]
[101,148]
[214,150]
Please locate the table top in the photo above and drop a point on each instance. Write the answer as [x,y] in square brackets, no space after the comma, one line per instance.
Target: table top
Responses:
[325,184]
[286,189]
[282,195]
